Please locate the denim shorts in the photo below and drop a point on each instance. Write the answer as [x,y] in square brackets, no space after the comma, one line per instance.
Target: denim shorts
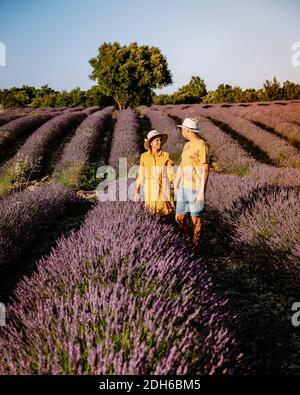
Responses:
[186,202]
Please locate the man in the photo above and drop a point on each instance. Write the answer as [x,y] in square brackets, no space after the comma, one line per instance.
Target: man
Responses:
[191,179]
[156,175]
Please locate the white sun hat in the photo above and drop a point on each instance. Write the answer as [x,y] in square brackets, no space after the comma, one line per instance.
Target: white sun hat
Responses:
[191,124]
[152,134]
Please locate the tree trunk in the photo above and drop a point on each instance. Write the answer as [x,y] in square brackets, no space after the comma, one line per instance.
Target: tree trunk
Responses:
[116,99]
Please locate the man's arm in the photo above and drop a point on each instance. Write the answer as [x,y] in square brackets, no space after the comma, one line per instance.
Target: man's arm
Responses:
[206,173]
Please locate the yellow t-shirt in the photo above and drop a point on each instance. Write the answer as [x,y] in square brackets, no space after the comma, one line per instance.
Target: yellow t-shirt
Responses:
[194,155]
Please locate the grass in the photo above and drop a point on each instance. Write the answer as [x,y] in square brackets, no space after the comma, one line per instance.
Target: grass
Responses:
[71,175]
[242,170]
[6,180]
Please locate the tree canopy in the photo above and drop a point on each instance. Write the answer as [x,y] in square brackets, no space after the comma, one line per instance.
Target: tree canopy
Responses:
[130,73]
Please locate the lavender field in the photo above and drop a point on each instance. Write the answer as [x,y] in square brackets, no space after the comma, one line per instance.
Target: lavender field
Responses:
[96,287]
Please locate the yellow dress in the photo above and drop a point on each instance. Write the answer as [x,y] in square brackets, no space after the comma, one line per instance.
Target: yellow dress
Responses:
[155,174]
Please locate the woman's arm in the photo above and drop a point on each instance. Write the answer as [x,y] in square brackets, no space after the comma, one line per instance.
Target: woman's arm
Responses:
[170,171]
[139,180]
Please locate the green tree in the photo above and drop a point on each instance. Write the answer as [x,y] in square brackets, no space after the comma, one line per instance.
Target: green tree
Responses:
[130,73]
[227,94]
[45,90]
[209,98]
[193,92]
[272,90]
[63,99]
[291,91]
[77,97]
[250,95]
[163,99]
[94,97]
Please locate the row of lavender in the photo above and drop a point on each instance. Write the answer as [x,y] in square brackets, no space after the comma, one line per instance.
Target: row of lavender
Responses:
[25,215]
[23,123]
[10,114]
[284,122]
[279,152]
[262,218]
[32,156]
[285,118]
[232,157]
[126,138]
[78,153]
[21,127]
[104,303]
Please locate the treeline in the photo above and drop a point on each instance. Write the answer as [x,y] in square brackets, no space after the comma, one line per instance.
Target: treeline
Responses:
[29,96]
[194,92]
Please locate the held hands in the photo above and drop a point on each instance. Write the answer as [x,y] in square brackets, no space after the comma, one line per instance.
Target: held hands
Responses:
[200,197]
[137,197]
[174,189]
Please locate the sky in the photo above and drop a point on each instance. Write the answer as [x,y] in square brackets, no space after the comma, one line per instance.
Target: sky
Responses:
[236,42]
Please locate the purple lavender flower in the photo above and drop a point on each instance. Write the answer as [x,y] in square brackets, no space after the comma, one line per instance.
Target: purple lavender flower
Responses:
[104,303]
[29,159]
[24,215]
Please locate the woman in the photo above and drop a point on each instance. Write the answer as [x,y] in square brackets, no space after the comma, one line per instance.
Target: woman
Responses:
[156,175]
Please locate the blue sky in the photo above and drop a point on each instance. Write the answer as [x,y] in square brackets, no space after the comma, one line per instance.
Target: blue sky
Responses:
[237,42]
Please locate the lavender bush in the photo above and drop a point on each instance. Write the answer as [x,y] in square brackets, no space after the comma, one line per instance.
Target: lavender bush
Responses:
[268,221]
[223,190]
[11,131]
[91,110]
[289,113]
[278,121]
[29,159]
[262,218]
[8,117]
[232,158]
[125,142]
[24,215]
[120,296]
[79,151]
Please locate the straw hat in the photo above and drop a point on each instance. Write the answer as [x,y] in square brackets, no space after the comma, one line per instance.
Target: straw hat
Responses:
[191,124]
[151,135]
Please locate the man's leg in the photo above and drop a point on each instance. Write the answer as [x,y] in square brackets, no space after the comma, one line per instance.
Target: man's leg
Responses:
[197,230]
[180,216]
[181,220]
